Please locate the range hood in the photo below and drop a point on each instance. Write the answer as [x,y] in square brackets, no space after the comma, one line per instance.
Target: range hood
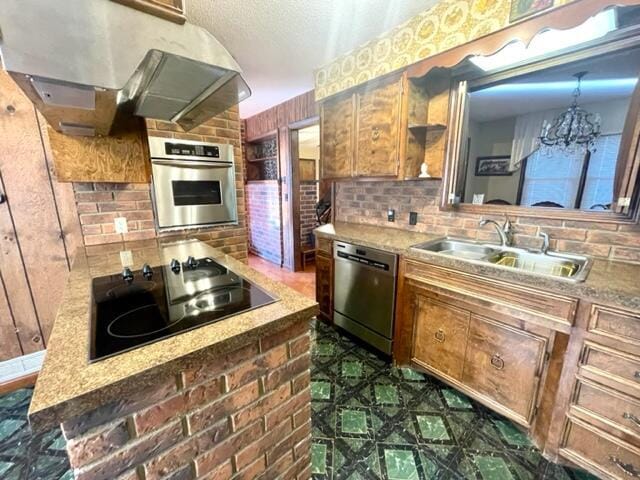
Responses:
[85,64]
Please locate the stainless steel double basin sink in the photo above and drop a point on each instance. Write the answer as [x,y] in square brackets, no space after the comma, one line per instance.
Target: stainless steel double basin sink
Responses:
[574,268]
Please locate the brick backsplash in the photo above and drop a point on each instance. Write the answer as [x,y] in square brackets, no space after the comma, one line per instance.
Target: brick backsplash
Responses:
[98,204]
[308,219]
[368,202]
[242,414]
[265,230]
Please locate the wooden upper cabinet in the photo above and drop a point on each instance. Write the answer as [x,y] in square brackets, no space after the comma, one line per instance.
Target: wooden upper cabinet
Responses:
[172,10]
[337,123]
[378,130]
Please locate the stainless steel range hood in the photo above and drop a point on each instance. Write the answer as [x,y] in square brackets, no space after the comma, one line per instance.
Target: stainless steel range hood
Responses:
[86,63]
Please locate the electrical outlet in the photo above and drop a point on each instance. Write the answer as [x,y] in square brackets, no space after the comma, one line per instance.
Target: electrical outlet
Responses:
[121,225]
[391,215]
[126,258]
[413,218]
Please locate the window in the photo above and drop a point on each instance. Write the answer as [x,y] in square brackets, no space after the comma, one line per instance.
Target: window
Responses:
[555,179]
[598,188]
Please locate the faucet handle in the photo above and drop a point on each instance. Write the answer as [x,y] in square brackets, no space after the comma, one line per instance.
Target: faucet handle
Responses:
[545,241]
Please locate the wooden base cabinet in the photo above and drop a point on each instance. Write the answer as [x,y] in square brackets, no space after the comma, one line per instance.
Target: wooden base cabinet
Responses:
[505,364]
[440,337]
[324,278]
[495,363]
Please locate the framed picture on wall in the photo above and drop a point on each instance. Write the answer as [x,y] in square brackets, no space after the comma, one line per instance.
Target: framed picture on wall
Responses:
[496,166]
[523,8]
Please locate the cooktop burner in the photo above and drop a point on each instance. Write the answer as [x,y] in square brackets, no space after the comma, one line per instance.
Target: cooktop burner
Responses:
[139,307]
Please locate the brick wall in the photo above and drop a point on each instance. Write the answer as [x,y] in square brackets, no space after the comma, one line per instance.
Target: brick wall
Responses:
[308,220]
[99,203]
[265,224]
[245,414]
[368,202]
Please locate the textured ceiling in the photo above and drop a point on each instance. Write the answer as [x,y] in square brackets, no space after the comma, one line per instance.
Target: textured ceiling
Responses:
[278,43]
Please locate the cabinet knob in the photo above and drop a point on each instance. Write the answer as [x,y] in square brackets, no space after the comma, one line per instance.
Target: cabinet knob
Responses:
[375,133]
[497,362]
[439,335]
[627,468]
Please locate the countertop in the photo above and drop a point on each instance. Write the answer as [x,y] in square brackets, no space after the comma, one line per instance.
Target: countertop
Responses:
[68,385]
[609,282]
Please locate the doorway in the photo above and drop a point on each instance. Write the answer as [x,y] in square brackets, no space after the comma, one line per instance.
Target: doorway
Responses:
[305,178]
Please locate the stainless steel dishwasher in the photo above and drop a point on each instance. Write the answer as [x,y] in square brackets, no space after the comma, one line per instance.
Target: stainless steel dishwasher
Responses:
[364,292]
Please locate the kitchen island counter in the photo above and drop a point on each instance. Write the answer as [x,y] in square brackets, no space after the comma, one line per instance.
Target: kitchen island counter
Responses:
[173,388]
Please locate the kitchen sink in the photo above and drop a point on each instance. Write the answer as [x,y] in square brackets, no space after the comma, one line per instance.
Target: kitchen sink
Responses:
[564,266]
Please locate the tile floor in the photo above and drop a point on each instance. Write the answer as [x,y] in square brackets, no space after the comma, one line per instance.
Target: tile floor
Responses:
[373,421]
[370,421]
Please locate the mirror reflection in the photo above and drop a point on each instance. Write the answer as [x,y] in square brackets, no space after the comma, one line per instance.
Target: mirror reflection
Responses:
[548,138]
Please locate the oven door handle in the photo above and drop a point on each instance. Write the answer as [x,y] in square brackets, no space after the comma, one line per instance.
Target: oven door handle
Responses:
[191,164]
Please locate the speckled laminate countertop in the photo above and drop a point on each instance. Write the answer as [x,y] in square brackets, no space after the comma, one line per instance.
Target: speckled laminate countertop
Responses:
[69,385]
[609,282]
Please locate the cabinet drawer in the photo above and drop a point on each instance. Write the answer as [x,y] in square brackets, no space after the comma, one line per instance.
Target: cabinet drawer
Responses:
[600,452]
[504,364]
[503,298]
[440,336]
[325,245]
[619,324]
[619,409]
[611,365]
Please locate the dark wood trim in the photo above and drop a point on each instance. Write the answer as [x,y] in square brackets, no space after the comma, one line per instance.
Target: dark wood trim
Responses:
[18,383]
[523,174]
[562,18]
[174,13]
[583,179]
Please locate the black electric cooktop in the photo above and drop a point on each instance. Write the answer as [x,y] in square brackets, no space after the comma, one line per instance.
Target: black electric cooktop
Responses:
[135,308]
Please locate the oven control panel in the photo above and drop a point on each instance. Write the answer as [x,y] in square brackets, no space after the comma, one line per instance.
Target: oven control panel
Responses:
[192,150]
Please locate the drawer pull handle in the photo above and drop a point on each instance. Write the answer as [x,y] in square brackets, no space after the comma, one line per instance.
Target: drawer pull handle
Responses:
[637,375]
[632,417]
[627,468]
[497,362]
[375,134]
[439,335]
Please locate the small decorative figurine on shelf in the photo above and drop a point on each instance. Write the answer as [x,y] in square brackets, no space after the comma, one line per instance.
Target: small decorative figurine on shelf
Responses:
[424,171]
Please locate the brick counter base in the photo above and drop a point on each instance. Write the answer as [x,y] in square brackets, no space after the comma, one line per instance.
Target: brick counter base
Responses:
[243,415]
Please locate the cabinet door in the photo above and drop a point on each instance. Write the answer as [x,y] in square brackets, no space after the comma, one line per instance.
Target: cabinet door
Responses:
[505,364]
[378,130]
[440,336]
[324,285]
[337,119]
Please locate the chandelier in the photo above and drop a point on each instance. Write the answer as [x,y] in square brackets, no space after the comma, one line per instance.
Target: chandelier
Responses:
[575,130]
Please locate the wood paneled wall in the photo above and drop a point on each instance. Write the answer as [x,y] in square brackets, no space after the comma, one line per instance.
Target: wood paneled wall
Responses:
[280,119]
[281,116]
[39,227]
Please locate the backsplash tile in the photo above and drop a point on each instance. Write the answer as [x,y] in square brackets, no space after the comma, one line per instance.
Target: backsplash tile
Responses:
[368,202]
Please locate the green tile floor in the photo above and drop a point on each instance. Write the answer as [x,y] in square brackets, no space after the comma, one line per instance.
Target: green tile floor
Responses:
[373,421]
[370,421]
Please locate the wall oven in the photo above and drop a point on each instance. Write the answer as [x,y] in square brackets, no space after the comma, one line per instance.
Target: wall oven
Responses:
[193,183]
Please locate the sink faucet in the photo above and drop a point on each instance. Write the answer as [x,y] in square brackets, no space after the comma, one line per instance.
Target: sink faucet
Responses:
[545,242]
[505,231]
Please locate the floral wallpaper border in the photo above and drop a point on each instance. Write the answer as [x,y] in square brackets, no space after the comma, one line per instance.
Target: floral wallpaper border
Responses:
[446,25]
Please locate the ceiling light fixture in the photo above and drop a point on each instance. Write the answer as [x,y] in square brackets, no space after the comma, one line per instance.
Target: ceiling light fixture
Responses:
[573,130]
[549,41]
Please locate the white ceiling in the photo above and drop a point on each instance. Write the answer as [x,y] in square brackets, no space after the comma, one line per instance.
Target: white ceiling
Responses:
[278,43]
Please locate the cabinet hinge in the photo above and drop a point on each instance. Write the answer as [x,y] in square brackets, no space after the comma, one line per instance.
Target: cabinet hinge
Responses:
[535,412]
